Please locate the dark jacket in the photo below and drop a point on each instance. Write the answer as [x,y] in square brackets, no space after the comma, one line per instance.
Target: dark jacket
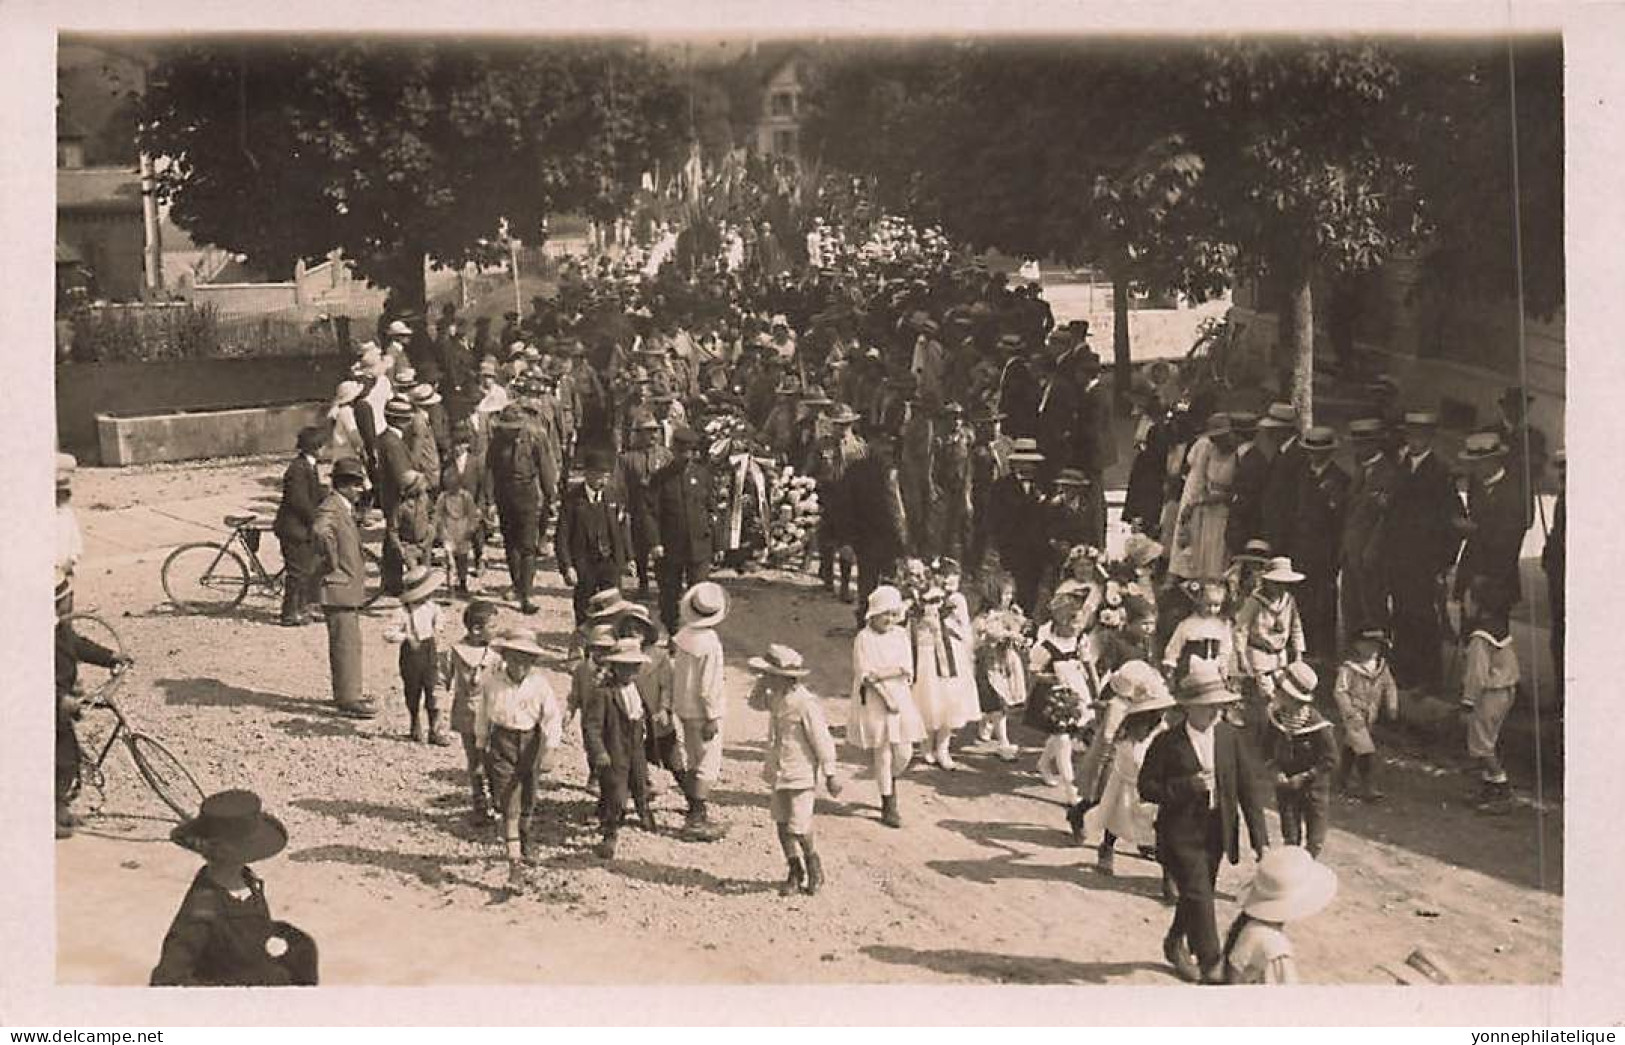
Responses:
[1057,422]
[1016,526]
[874,526]
[1246,518]
[1493,546]
[637,469]
[301,493]
[1095,440]
[472,477]
[72,650]
[1170,778]
[1419,535]
[1370,494]
[1316,537]
[1281,497]
[605,729]
[591,534]
[217,940]
[682,511]
[1307,755]
[394,461]
[521,471]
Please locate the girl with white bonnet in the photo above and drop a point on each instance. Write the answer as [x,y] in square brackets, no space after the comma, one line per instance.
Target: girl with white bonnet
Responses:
[884,719]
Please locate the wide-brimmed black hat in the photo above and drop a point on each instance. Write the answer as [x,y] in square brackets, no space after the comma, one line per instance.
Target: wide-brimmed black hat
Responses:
[232,825]
[348,469]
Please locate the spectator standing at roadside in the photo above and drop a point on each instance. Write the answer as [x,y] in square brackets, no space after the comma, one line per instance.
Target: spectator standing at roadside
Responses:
[301,494]
[344,589]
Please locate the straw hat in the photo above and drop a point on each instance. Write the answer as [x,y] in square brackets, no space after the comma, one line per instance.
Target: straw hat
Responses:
[640,618]
[843,415]
[704,605]
[1279,415]
[516,640]
[398,410]
[419,584]
[1217,424]
[627,651]
[1071,477]
[1288,885]
[1320,438]
[424,395]
[1481,446]
[405,376]
[781,661]
[232,824]
[1243,422]
[1299,681]
[599,636]
[884,599]
[1141,686]
[1281,571]
[400,329]
[1421,419]
[1366,429]
[1141,550]
[1255,550]
[1204,685]
[606,603]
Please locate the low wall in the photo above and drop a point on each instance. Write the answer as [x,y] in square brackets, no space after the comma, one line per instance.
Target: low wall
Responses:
[194,435]
[84,390]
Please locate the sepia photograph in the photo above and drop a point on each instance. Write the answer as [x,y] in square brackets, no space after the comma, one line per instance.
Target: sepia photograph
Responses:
[721,508]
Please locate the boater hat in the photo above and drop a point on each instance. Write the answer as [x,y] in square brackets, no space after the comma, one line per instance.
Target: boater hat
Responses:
[1071,477]
[628,650]
[605,604]
[781,661]
[600,636]
[424,395]
[1320,438]
[1299,681]
[419,583]
[704,605]
[66,465]
[1288,885]
[1204,685]
[516,640]
[400,328]
[232,824]
[1481,446]
[398,410]
[1279,415]
[1281,571]
[843,415]
[1255,550]
[1366,429]
[1421,419]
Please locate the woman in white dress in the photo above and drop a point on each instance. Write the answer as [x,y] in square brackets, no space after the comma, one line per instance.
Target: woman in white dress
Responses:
[1204,506]
[883,719]
[345,440]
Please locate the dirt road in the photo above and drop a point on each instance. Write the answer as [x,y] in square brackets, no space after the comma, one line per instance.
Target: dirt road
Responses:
[981,886]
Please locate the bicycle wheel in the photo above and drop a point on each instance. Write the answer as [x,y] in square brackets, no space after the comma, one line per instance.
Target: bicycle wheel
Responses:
[205,577]
[165,774]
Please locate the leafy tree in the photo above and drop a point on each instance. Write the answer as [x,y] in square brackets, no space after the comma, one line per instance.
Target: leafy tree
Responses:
[395,150]
[1308,167]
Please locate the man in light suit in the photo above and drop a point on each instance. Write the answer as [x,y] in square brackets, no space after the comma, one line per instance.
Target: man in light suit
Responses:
[344,586]
[1200,775]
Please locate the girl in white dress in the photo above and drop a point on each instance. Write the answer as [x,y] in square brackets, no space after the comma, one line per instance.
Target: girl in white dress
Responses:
[945,668]
[1063,693]
[883,719]
[1122,814]
[1198,549]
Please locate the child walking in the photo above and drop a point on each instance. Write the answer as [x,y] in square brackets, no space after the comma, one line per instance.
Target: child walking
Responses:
[457,517]
[800,752]
[1489,685]
[1123,814]
[613,722]
[1207,634]
[1001,666]
[463,670]
[699,701]
[1364,691]
[516,721]
[1302,756]
[413,628]
[1288,886]
[1062,695]
[885,723]
[1269,632]
[663,744]
[944,679]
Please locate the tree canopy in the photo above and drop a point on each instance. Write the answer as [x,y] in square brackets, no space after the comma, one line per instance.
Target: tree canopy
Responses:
[393,150]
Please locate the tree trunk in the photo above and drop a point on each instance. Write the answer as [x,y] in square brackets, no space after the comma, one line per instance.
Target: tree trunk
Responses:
[1122,362]
[1300,325]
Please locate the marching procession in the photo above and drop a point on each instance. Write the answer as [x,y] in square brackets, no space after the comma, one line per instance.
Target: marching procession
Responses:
[914,429]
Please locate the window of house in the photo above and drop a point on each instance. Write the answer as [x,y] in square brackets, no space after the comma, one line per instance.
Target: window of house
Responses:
[783,103]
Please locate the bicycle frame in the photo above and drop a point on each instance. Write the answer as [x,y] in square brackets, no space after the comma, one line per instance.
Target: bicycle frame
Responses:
[261,576]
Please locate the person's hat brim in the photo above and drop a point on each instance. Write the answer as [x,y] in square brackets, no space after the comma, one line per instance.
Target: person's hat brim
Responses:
[763,666]
[1282,576]
[1309,897]
[267,838]
[520,644]
[422,590]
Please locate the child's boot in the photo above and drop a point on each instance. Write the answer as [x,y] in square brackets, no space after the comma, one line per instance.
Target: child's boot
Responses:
[1105,855]
[888,811]
[815,875]
[794,879]
[1368,783]
[1075,814]
[481,810]
[1497,800]
[437,735]
[701,827]
[516,876]
[605,850]
[416,732]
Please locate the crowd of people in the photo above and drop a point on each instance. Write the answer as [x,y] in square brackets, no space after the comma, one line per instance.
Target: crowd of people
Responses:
[919,432]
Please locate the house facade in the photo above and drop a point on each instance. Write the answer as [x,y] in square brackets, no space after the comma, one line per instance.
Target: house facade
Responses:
[778,130]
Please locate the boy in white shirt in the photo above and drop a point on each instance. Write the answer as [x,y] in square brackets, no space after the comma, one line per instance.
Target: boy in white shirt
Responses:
[414,628]
[698,700]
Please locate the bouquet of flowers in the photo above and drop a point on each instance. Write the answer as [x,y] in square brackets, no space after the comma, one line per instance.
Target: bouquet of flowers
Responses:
[794,512]
[998,630]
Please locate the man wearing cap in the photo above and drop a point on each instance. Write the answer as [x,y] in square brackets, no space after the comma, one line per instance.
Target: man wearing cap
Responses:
[1014,506]
[1495,518]
[1286,476]
[423,440]
[1365,596]
[1419,543]
[1019,391]
[683,535]
[343,585]
[1253,457]
[398,335]
[523,482]
[394,461]
[1095,444]
[295,514]
[1057,416]
[1316,538]
[1201,775]
[591,542]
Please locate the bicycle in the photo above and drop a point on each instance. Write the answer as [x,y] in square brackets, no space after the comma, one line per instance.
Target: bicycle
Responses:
[212,577]
[169,779]
[1214,358]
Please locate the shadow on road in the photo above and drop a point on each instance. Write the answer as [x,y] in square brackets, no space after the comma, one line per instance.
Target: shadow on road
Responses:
[212,693]
[1012,968]
[663,874]
[426,868]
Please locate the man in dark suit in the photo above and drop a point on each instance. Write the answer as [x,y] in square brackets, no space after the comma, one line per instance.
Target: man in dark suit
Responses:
[591,543]
[1014,513]
[683,529]
[301,494]
[1057,418]
[1316,538]
[1286,474]
[1495,517]
[1095,442]
[1200,774]
[1365,598]
[394,461]
[638,467]
[1419,544]
[875,525]
[613,730]
[1253,459]
[522,481]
